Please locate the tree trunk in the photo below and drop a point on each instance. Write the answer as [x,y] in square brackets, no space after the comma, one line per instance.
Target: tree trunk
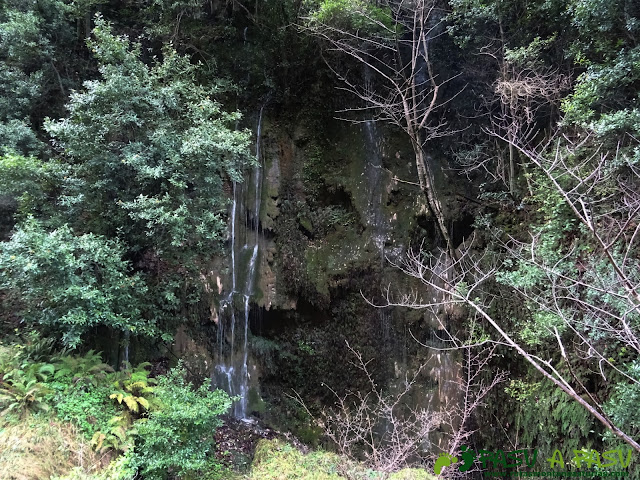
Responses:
[425,174]
[512,170]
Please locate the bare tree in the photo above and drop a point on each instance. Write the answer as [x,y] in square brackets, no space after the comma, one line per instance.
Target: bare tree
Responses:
[401,85]
[473,390]
[467,282]
[381,426]
[521,92]
[589,286]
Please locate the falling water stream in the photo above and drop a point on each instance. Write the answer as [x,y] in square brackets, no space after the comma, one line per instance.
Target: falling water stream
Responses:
[376,217]
[442,368]
[232,371]
[376,186]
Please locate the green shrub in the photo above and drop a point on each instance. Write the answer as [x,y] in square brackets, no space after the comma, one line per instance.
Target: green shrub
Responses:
[71,283]
[176,438]
[21,383]
[355,15]
[87,369]
[86,406]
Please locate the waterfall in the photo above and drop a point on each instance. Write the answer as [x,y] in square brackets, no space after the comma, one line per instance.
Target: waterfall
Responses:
[232,370]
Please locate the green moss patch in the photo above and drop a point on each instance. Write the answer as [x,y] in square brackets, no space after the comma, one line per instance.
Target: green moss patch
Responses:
[411,474]
[277,460]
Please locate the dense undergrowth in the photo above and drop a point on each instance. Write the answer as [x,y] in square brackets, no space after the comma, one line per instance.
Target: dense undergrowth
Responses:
[162,426]
[69,417]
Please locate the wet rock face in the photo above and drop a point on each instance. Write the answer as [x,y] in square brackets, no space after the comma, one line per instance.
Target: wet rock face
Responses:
[328,208]
[334,207]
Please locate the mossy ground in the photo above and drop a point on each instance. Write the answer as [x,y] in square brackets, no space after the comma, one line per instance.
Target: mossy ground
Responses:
[38,447]
[411,474]
[277,460]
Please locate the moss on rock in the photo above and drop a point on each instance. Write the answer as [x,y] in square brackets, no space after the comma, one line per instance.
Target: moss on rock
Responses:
[275,460]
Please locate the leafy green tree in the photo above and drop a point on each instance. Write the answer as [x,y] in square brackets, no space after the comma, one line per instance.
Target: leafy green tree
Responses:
[605,101]
[149,150]
[20,42]
[32,72]
[604,28]
[32,182]
[71,283]
[145,152]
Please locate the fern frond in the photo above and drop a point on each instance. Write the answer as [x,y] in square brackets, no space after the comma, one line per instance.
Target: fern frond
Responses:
[132,403]
[144,402]
[117,396]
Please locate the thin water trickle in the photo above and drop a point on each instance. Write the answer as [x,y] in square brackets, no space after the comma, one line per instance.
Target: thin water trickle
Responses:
[376,217]
[233,240]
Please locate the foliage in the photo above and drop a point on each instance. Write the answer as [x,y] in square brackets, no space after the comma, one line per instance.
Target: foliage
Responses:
[604,27]
[520,390]
[82,369]
[469,17]
[31,35]
[145,151]
[71,283]
[548,417]
[77,386]
[22,396]
[21,383]
[620,405]
[177,437]
[154,146]
[172,18]
[118,435]
[354,15]
[86,406]
[476,23]
[605,98]
[17,136]
[29,179]
[28,371]
[134,388]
